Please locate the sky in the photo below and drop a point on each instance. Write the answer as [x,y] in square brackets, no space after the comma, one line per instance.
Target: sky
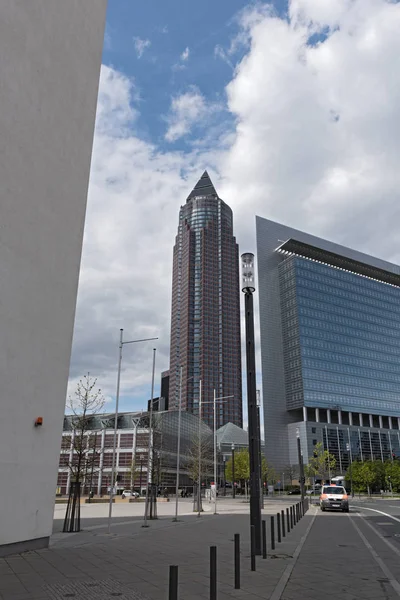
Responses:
[293,108]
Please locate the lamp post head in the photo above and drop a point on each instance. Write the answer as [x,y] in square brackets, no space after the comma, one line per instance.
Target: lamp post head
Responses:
[233,446]
[248,273]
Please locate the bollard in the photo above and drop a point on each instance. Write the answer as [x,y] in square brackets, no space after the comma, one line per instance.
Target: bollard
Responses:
[237,561]
[272,533]
[278,526]
[287,520]
[264,539]
[173,583]
[283,523]
[297,513]
[291,517]
[253,547]
[213,572]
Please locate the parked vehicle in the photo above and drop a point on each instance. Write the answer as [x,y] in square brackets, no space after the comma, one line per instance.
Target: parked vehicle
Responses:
[129,494]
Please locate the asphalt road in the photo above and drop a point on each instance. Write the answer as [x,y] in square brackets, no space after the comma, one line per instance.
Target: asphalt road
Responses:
[383,515]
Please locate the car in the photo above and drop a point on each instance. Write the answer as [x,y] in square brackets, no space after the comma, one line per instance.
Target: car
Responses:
[295,491]
[334,497]
[129,494]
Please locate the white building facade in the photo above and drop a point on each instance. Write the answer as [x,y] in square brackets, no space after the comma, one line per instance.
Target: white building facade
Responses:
[50,57]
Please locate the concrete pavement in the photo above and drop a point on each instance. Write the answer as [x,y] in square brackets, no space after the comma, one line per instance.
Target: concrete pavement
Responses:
[327,554]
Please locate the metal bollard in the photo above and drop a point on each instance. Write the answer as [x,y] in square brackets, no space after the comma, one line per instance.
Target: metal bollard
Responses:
[253,547]
[278,526]
[287,520]
[291,517]
[213,572]
[272,533]
[237,561]
[264,539]
[283,523]
[173,583]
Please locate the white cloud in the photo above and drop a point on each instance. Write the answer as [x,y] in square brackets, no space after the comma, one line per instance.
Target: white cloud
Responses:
[141,46]
[186,110]
[185,54]
[315,145]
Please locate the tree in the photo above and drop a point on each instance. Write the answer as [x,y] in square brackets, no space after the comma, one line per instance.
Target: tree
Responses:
[86,402]
[268,473]
[242,466]
[201,451]
[322,463]
[291,472]
[368,475]
[392,473]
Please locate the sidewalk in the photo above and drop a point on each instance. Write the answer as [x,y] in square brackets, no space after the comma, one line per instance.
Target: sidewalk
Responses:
[336,563]
[134,562]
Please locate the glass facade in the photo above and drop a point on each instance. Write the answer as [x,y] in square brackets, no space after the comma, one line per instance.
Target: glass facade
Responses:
[205,315]
[132,447]
[354,443]
[341,339]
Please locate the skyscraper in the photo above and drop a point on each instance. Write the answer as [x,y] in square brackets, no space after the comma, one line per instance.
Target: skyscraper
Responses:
[205,320]
[330,342]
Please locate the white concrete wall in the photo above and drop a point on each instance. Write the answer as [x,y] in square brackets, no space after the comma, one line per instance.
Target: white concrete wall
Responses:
[50,56]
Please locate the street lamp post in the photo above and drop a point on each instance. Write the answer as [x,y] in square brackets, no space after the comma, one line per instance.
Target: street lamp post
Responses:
[254,444]
[121,345]
[233,471]
[141,469]
[348,448]
[178,450]
[224,461]
[220,399]
[301,466]
[199,507]
[150,443]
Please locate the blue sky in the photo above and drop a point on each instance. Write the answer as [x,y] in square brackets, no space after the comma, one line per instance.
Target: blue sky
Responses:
[294,112]
[165,29]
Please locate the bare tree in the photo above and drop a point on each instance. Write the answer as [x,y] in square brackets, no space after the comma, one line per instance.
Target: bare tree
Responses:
[87,401]
[200,453]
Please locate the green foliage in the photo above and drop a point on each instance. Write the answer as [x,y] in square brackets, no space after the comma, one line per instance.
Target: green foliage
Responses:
[392,471]
[242,468]
[373,475]
[321,463]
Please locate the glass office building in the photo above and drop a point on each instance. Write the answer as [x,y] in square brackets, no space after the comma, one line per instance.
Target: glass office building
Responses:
[330,341]
[205,315]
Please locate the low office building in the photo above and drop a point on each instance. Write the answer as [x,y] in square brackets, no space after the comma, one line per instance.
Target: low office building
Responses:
[132,444]
[330,344]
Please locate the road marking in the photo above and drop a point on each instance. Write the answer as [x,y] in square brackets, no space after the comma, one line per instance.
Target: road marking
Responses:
[280,588]
[385,523]
[391,546]
[393,581]
[382,513]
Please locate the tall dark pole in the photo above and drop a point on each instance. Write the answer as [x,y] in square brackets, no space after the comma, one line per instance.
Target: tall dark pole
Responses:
[140,479]
[259,448]
[253,434]
[224,460]
[233,471]
[301,466]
